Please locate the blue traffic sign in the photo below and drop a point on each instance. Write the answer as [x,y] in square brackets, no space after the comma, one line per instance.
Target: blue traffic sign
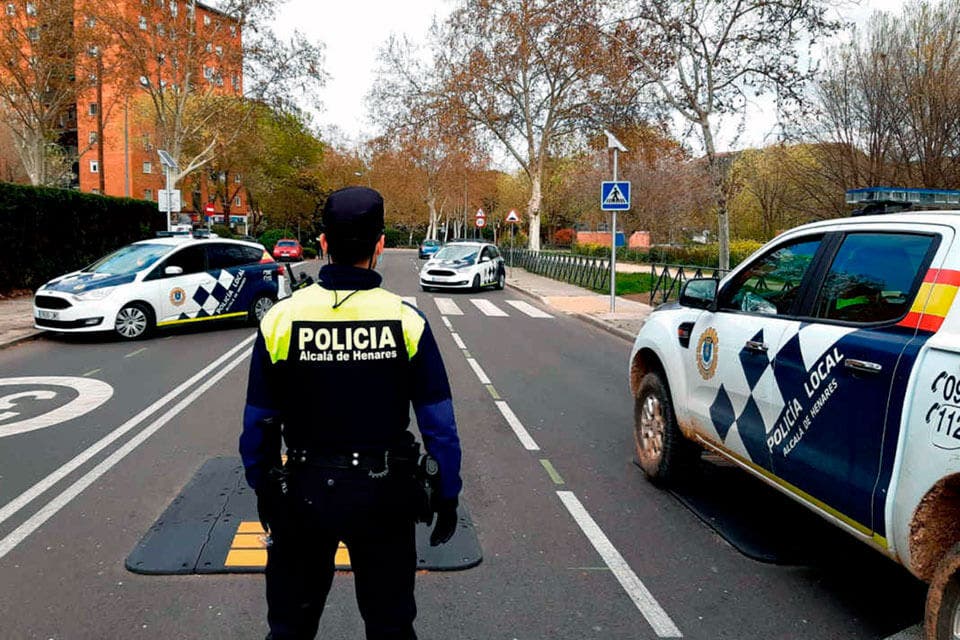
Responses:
[615,195]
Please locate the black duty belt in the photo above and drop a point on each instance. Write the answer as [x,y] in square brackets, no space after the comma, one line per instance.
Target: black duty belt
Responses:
[377,464]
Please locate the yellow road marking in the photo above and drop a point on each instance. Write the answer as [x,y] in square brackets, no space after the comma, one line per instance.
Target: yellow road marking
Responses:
[186,320]
[248,549]
[493,392]
[551,471]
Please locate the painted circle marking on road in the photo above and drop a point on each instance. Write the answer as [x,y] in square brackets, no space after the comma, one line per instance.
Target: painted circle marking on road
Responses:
[90,394]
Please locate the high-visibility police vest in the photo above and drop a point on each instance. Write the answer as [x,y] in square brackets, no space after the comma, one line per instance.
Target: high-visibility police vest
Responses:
[343,369]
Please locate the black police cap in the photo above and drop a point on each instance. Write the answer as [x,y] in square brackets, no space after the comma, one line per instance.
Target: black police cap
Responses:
[353,213]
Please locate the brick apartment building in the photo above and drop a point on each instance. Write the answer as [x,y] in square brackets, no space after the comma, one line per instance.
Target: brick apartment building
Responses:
[127,163]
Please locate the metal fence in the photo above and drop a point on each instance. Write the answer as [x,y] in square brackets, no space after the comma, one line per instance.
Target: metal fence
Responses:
[668,279]
[591,273]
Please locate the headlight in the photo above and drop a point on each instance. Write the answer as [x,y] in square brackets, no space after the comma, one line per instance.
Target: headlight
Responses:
[94,294]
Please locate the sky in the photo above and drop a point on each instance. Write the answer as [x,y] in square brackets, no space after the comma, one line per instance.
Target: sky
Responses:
[353,30]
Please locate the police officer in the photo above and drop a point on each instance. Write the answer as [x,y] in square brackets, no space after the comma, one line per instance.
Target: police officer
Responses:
[334,371]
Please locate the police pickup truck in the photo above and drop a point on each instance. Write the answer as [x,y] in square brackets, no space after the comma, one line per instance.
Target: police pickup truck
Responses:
[828,365]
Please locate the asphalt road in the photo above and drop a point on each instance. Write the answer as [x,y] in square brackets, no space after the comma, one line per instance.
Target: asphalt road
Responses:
[576,543]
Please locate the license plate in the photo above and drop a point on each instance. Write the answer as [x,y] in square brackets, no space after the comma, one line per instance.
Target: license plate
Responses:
[48,315]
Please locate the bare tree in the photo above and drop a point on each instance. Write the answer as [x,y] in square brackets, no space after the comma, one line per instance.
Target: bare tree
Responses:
[37,89]
[528,73]
[704,58]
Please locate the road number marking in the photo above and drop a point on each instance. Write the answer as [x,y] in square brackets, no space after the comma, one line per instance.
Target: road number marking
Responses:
[90,395]
[662,625]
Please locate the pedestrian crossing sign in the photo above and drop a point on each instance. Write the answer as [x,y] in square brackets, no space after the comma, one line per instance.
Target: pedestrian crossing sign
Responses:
[615,195]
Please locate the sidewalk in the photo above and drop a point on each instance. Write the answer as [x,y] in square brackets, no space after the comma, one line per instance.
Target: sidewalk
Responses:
[16,320]
[16,314]
[582,303]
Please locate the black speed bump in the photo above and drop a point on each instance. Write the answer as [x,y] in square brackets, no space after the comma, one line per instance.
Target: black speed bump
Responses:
[212,527]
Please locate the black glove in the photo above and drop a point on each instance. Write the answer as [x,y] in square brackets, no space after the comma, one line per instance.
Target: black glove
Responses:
[446,524]
[269,504]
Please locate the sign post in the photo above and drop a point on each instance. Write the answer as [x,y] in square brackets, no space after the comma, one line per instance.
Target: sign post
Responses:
[169,166]
[481,220]
[512,219]
[614,196]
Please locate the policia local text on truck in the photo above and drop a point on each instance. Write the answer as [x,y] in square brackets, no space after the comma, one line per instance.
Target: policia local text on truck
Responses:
[334,370]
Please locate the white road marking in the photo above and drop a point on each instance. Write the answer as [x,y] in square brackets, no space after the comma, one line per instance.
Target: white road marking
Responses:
[39,488]
[458,340]
[133,353]
[477,370]
[446,321]
[91,394]
[36,521]
[448,307]
[528,309]
[487,308]
[410,299]
[662,625]
[528,442]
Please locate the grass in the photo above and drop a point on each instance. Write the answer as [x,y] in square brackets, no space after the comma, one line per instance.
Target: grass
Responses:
[628,283]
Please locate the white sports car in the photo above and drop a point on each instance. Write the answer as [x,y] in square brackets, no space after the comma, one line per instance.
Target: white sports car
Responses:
[464,265]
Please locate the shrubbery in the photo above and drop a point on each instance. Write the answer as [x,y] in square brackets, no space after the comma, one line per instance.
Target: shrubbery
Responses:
[222,231]
[269,238]
[47,232]
[564,237]
[309,253]
[703,255]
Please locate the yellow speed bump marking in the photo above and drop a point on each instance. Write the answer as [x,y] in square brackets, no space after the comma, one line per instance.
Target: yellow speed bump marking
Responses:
[248,548]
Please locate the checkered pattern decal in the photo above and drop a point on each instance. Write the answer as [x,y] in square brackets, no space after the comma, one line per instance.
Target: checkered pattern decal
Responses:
[738,414]
[215,298]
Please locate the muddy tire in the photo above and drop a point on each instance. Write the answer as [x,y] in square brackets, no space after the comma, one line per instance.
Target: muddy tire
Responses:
[942,618]
[662,451]
[134,321]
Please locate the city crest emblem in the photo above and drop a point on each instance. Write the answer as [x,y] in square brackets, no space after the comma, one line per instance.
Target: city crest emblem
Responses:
[178,296]
[707,353]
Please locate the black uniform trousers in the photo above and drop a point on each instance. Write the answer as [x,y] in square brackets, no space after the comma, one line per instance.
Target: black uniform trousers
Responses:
[374,517]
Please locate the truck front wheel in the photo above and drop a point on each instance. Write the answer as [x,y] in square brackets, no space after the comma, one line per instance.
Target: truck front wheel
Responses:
[661,449]
[942,619]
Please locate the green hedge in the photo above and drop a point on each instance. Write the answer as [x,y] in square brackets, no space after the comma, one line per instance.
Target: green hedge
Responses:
[703,255]
[46,232]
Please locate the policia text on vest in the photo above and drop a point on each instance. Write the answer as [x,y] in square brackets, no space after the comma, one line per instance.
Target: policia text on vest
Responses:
[334,372]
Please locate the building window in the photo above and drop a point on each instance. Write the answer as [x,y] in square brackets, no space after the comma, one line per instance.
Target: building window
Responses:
[31,8]
[219,50]
[161,30]
[174,9]
[92,137]
[208,73]
[143,23]
[11,10]
[148,167]
[91,22]
[93,52]
[95,190]
[92,109]
[237,202]
[206,21]
[209,47]
[233,30]
[236,178]
[33,34]
[148,194]
[94,166]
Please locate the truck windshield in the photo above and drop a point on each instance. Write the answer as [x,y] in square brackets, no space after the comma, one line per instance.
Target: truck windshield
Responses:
[129,259]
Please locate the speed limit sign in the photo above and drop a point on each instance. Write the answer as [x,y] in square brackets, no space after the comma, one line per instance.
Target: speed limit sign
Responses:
[480,222]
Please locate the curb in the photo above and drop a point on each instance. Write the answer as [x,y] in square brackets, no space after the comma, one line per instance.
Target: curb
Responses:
[21,339]
[620,333]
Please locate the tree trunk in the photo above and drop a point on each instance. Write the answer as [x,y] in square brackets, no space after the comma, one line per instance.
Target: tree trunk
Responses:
[533,212]
[432,227]
[716,173]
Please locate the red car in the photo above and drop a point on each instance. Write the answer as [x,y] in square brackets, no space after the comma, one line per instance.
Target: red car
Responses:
[287,249]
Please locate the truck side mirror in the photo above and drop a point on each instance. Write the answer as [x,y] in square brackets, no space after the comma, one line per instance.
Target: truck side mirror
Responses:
[699,293]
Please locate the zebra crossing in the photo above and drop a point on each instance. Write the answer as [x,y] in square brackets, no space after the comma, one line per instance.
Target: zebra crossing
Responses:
[450,307]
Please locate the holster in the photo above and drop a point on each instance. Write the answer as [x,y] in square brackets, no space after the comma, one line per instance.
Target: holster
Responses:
[428,481]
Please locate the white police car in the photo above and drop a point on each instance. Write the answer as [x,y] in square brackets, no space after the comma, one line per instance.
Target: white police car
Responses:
[162,282]
[464,265]
[828,365]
